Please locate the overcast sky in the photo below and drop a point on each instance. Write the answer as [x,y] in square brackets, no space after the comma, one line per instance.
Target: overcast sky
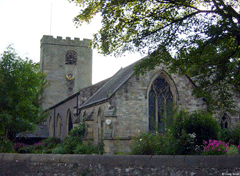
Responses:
[24,22]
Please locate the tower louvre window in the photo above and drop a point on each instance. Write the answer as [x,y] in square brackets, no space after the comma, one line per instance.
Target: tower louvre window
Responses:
[71,58]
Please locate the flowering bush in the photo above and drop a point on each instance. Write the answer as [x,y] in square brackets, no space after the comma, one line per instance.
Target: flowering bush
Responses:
[38,145]
[214,147]
[18,146]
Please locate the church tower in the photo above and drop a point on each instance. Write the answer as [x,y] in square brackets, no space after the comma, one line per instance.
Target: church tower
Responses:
[68,64]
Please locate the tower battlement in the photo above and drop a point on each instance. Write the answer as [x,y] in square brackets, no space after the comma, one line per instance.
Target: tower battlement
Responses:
[48,39]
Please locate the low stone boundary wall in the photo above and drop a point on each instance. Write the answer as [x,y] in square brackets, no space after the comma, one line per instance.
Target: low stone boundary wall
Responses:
[110,165]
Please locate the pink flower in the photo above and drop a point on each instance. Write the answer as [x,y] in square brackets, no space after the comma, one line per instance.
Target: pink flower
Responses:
[219,150]
[225,150]
[238,146]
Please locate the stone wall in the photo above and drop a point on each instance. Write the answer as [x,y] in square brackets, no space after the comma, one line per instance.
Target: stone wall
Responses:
[63,165]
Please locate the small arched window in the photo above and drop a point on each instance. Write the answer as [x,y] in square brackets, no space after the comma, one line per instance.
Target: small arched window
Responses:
[224,121]
[71,58]
[59,124]
[51,127]
[160,102]
[69,121]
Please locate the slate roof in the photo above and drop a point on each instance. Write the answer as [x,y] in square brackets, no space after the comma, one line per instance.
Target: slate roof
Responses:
[40,132]
[111,86]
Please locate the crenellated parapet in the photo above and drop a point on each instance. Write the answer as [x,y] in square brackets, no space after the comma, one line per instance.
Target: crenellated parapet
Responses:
[48,39]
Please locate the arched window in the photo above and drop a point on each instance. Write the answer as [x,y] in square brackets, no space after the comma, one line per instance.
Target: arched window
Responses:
[69,122]
[100,122]
[160,101]
[224,121]
[59,124]
[51,127]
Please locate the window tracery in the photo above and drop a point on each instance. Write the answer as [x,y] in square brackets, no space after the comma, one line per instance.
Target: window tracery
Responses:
[224,121]
[160,101]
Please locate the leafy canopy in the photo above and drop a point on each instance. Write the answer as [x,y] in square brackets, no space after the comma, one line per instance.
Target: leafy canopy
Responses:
[22,86]
[195,37]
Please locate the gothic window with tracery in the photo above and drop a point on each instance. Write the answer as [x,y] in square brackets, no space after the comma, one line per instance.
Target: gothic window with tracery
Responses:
[224,121]
[160,101]
[71,58]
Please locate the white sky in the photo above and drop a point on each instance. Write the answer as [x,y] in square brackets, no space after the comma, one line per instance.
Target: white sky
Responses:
[24,22]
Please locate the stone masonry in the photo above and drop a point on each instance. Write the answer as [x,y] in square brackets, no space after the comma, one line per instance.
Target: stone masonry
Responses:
[119,165]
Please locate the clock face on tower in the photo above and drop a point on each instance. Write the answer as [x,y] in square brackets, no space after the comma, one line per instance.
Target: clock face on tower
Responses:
[70,76]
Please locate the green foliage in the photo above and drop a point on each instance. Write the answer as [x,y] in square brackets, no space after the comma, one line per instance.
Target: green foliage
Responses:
[89,149]
[70,143]
[233,150]
[146,144]
[198,38]
[73,144]
[59,150]
[6,146]
[231,135]
[184,136]
[168,145]
[74,138]
[50,143]
[202,125]
[22,85]
[78,130]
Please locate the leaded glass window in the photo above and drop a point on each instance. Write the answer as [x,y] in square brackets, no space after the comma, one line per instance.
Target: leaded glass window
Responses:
[160,101]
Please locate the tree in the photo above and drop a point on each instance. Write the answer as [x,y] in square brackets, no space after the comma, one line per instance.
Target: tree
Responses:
[199,38]
[22,86]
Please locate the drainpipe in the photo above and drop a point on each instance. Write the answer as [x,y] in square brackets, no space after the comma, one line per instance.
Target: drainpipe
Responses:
[54,122]
[77,105]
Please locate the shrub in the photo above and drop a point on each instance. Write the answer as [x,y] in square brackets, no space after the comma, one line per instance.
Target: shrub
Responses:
[78,130]
[70,143]
[202,125]
[168,144]
[233,150]
[18,146]
[184,136]
[72,140]
[231,136]
[225,135]
[235,131]
[214,147]
[59,150]
[85,149]
[50,142]
[6,146]
[147,144]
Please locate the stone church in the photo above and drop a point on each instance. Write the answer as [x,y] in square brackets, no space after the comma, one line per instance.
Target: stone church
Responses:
[115,109]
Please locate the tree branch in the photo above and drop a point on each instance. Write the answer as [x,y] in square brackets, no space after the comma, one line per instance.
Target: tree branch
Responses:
[176,21]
